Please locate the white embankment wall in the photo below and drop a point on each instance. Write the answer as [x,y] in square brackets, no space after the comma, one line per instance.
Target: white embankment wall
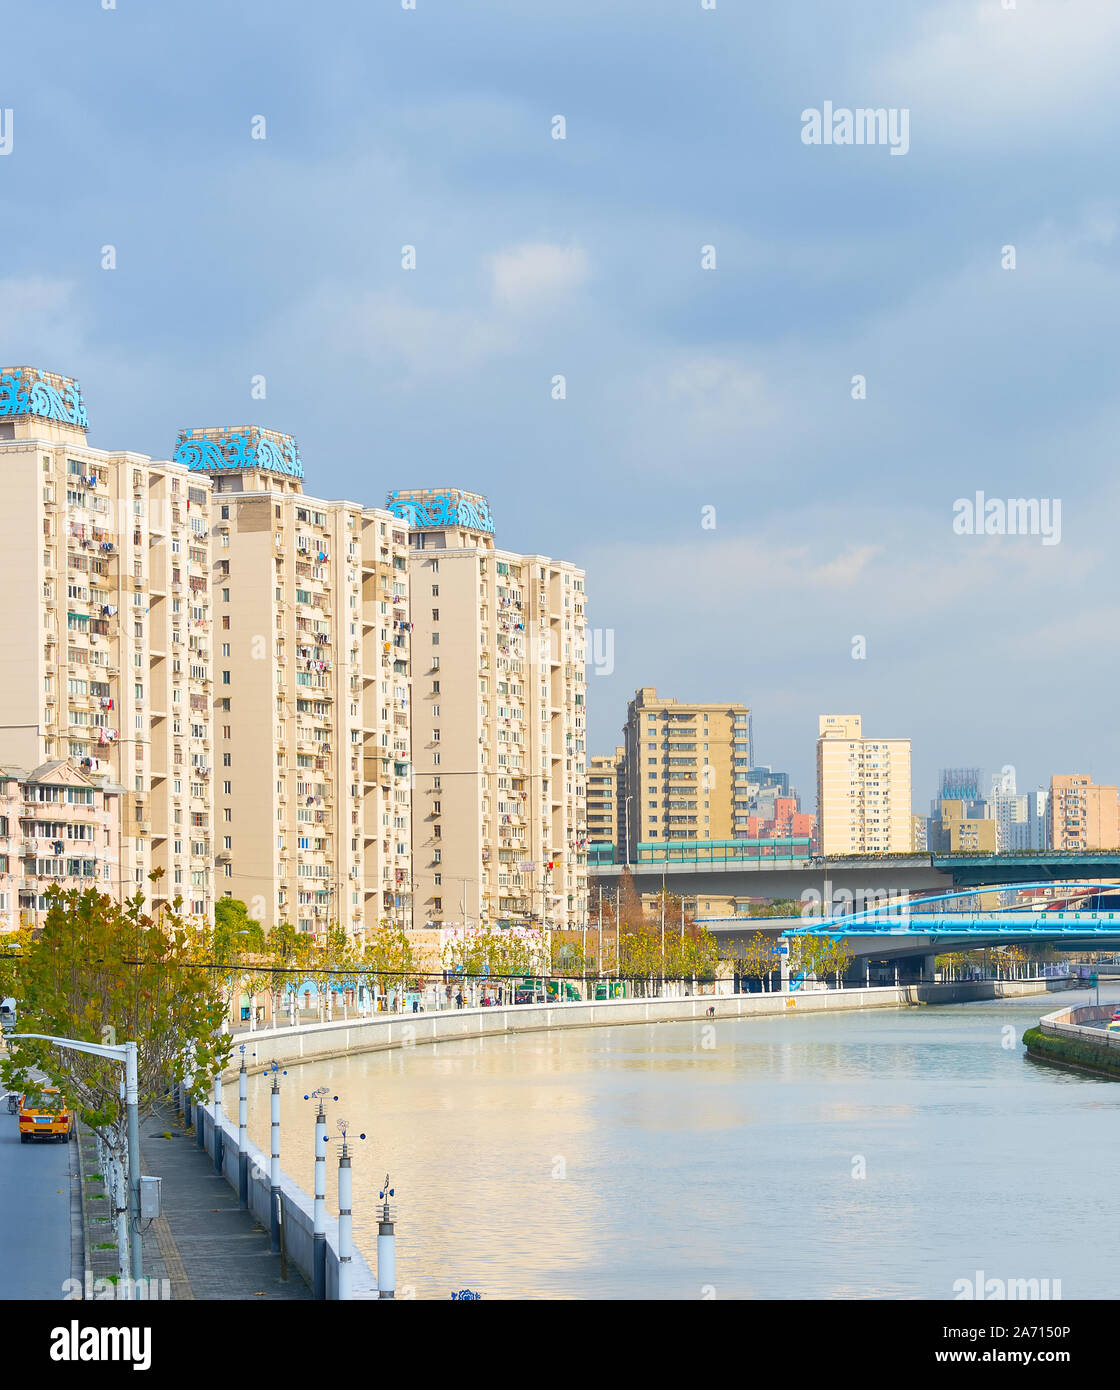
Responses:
[1070,1023]
[311,1042]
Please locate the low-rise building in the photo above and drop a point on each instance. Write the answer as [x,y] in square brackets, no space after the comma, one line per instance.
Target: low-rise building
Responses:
[58,828]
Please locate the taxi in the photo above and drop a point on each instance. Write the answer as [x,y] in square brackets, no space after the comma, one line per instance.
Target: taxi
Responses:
[46,1117]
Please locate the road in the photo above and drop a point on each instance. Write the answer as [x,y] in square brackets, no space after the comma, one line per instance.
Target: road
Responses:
[34,1215]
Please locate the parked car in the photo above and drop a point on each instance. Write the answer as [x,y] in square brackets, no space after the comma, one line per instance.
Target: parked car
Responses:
[45,1117]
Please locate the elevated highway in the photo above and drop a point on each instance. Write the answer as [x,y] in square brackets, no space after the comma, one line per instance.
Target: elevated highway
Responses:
[783,870]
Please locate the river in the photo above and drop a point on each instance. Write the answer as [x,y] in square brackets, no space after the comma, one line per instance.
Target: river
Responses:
[884,1154]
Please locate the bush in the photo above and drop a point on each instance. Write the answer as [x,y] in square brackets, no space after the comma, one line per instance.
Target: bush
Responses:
[1071,1050]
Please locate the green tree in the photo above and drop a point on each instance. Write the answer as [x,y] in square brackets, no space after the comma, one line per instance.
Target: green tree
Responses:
[102,972]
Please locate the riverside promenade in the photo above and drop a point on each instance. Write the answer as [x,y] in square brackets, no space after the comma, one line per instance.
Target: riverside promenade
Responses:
[204,1245]
[311,1042]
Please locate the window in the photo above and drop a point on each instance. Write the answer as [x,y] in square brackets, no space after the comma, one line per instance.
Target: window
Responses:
[435,615]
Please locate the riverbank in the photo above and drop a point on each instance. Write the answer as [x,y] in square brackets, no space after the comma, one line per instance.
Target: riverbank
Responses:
[1062,1038]
[319,1041]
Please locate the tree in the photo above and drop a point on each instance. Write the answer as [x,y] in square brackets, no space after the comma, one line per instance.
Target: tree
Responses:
[836,958]
[388,952]
[108,973]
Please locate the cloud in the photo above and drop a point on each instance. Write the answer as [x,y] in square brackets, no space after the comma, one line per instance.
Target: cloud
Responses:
[975,68]
[537,273]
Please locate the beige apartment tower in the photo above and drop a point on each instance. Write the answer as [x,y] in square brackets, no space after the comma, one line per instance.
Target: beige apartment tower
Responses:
[863,790]
[1082,815]
[312,691]
[106,631]
[498,721]
[686,771]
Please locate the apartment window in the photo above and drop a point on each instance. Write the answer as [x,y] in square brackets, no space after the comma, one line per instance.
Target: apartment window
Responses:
[225,513]
[227,788]
[225,595]
[437,856]
[225,678]
[435,615]
[435,735]
[225,621]
[225,649]
[435,760]
[437,879]
[437,904]
[435,591]
[227,814]
[435,639]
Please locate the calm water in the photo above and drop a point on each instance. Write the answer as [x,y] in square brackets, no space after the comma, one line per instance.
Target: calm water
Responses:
[637,1162]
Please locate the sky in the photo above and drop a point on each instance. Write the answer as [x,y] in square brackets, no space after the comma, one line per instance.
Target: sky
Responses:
[745,509]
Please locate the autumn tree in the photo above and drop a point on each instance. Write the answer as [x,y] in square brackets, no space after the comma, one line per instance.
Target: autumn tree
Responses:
[103,972]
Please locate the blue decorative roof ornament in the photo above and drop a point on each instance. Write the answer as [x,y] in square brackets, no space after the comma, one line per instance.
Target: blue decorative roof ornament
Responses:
[229,450]
[442,507]
[28,391]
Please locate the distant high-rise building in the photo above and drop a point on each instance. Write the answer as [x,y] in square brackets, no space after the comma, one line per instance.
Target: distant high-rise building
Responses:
[687,770]
[960,784]
[605,800]
[1021,815]
[863,789]
[954,831]
[1082,815]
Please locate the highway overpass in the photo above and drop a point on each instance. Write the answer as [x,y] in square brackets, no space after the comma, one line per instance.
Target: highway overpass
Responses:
[725,869]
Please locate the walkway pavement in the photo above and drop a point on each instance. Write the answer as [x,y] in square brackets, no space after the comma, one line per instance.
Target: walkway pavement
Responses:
[203,1244]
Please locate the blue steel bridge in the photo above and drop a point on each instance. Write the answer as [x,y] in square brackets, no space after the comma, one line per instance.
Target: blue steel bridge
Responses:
[922,928]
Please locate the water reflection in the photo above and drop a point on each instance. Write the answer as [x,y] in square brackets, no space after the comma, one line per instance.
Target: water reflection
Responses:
[639,1162]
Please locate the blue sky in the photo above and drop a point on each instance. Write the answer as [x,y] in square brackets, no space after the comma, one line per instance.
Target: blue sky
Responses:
[686,388]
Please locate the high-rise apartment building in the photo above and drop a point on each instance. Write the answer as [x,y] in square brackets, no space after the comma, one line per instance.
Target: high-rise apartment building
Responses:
[312,690]
[105,633]
[498,721]
[863,789]
[686,771]
[1082,815]
[605,798]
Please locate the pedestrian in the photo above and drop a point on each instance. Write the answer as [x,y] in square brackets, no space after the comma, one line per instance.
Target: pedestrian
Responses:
[459,999]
